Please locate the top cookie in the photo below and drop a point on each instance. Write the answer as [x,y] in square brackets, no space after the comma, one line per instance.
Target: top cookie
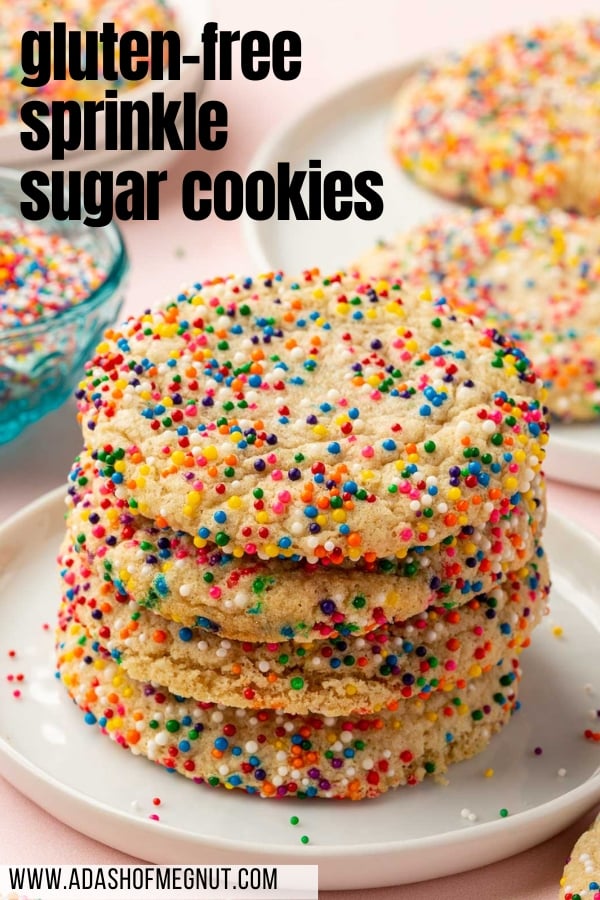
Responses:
[534,276]
[312,417]
[513,119]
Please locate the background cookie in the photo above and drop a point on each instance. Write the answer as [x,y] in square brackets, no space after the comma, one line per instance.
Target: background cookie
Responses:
[78,15]
[581,877]
[438,650]
[251,599]
[274,754]
[324,414]
[514,119]
[534,276]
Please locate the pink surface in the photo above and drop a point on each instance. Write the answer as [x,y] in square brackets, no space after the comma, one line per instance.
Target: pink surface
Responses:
[341,41]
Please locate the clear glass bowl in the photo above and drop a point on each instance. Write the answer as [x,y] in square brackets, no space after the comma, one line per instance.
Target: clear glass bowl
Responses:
[41,363]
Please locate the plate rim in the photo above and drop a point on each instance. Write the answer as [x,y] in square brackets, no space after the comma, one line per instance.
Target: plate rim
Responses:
[9,757]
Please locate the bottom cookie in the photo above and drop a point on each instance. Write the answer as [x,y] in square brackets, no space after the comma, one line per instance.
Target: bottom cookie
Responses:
[581,877]
[274,754]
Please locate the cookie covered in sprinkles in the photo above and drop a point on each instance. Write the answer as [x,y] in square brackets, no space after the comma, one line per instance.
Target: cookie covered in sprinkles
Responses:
[79,16]
[274,754]
[314,418]
[513,119]
[581,876]
[534,276]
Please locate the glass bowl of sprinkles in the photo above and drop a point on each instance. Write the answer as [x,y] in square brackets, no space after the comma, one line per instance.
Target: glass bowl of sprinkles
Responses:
[61,286]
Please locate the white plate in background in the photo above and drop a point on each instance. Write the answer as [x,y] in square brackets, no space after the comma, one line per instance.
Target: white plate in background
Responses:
[574,454]
[349,130]
[407,835]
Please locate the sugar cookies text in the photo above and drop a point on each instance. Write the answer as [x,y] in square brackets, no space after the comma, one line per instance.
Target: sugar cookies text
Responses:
[115,123]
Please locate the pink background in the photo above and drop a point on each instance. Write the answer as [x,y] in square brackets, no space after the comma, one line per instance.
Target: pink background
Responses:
[342,40]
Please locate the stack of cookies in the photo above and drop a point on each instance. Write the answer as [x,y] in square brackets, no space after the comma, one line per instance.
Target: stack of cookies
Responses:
[303,539]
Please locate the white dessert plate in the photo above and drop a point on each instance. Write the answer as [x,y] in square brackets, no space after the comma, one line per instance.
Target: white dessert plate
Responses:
[349,130]
[85,780]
